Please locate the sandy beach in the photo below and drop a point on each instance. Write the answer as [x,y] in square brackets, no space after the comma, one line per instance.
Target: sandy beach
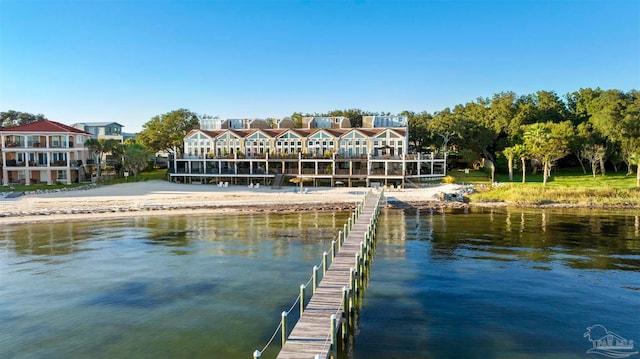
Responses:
[163,198]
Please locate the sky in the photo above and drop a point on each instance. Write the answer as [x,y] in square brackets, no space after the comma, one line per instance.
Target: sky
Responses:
[129,60]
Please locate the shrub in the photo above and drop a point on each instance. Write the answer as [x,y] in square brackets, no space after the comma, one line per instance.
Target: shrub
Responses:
[449,179]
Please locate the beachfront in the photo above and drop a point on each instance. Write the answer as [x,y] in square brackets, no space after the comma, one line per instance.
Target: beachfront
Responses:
[163,198]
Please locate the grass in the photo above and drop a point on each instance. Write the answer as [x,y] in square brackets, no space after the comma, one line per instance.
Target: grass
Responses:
[567,187]
[107,180]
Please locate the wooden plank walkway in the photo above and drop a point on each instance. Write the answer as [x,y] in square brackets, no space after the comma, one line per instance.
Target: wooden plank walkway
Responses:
[311,335]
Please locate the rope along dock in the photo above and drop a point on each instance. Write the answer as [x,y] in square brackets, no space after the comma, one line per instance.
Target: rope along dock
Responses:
[329,311]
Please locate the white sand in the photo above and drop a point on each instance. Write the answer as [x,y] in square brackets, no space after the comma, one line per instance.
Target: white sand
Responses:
[161,197]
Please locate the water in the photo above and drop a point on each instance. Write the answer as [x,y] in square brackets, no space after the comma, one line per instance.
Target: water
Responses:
[196,287]
[490,284]
[500,284]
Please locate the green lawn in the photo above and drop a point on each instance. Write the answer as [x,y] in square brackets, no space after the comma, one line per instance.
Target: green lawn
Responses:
[567,186]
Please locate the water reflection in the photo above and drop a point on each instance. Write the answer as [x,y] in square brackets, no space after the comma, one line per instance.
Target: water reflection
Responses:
[598,241]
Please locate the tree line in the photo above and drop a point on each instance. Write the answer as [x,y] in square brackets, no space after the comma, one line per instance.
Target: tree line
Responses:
[593,128]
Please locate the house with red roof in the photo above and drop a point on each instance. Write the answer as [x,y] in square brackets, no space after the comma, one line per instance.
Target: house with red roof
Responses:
[43,152]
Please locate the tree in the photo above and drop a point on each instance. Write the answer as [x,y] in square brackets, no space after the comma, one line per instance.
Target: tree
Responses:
[136,159]
[167,132]
[14,118]
[445,125]
[548,142]
[595,155]
[418,129]
[523,160]
[510,153]
[477,132]
[635,159]
[101,147]
[550,107]
[296,117]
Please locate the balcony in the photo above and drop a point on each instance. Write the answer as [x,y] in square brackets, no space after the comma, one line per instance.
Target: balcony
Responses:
[10,144]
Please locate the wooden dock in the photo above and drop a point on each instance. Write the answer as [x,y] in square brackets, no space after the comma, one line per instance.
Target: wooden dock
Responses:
[314,335]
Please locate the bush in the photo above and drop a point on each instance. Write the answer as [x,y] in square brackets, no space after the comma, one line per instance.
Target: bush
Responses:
[449,179]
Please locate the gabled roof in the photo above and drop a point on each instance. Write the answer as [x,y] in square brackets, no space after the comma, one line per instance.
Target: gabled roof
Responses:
[366,132]
[298,132]
[302,132]
[211,133]
[44,126]
[336,133]
[191,133]
[242,133]
[274,132]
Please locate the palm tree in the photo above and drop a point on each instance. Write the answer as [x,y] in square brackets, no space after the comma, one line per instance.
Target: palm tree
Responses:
[99,148]
[511,153]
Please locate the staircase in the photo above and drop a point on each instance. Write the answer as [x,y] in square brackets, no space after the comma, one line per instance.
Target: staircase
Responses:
[277,181]
[410,182]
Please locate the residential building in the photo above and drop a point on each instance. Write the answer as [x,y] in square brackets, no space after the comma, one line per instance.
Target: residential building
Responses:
[217,123]
[43,152]
[102,130]
[372,155]
[326,122]
[385,121]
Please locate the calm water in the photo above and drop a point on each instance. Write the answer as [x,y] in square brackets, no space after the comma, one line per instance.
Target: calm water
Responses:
[489,284]
[500,284]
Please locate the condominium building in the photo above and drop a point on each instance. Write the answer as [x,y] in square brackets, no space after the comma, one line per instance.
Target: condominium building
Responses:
[43,152]
[324,155]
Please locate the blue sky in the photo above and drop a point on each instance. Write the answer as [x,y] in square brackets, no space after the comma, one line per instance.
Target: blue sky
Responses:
[127,61]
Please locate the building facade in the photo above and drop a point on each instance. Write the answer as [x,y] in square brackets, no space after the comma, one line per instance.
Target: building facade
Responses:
[102,130]
[43,152]
[324,155]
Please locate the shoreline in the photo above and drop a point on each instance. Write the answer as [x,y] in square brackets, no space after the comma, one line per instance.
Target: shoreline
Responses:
[155,198]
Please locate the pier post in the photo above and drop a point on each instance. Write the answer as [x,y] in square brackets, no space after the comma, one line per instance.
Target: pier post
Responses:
[333,250]
[345,311]
[302,288]
[315,278]
[334,332]
[352,282]
[345,232]
[350,221]
[340,240]
[325,256]
[284,328]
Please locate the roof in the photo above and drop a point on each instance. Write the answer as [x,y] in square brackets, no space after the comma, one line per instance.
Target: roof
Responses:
[97,124]
[44,126]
